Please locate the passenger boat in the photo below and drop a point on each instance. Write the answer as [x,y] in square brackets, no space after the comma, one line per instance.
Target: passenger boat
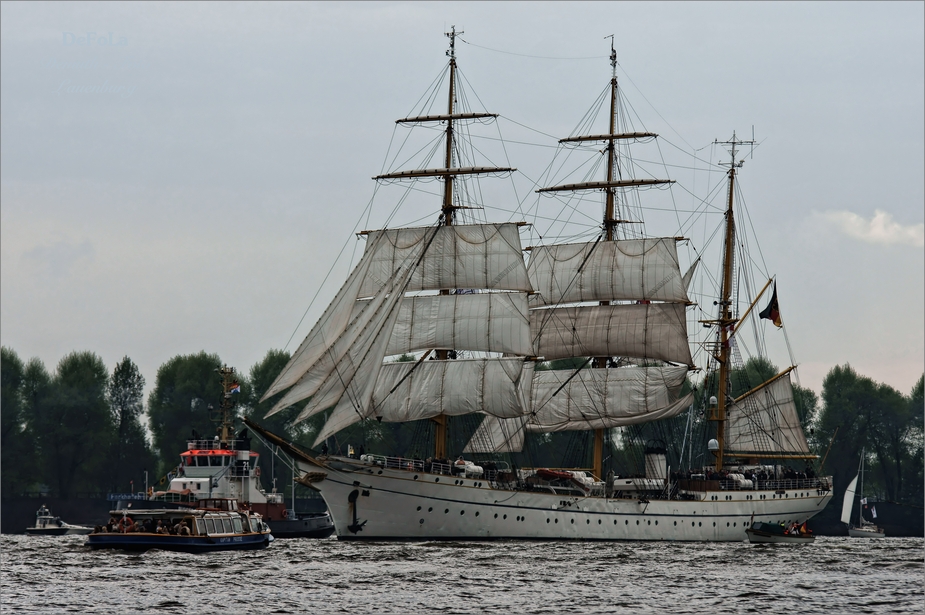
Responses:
[770,532]
[604,338]
[219,527]
[48,525]
[226,467]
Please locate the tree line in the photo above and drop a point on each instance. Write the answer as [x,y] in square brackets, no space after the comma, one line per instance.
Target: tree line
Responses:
[83,429]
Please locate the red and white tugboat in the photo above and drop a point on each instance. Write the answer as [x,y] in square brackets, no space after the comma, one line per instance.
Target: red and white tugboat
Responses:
[226,467]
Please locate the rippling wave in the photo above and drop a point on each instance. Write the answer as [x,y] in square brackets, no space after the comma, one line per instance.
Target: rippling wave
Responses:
[835,575]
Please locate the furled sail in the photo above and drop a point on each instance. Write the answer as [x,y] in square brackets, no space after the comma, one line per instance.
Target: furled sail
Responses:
[486,256]
[409,391]
[765,420]
[332,323]
[604,398]
[647,331]
[488,322]
[848,503]
[628,269]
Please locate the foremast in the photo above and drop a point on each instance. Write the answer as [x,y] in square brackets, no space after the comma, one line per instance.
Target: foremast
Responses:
[448,173]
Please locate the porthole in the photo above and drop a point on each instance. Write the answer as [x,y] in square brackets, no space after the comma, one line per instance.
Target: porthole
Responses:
[598,521]
[462,512]
[446,511]
[476,513]
[415,477]
[547,520]
[727,524]
[676,523]
[589,521]
[430,509]
[557,520]
[419,508]
[436,480]
[572,520]
[504,517]
[714,524]
[733,524]
[648,523]
[699,524]
[496,515]
[421,521]
[637,521]
[380,472]
[656,522]
[627,522]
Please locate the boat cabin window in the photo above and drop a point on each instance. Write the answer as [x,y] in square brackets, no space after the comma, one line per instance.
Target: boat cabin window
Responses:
[210,526]
[201,527]
[228,527]
[238,528]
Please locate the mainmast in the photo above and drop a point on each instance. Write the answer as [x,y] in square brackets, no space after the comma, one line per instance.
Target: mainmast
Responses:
[611,221]
[448,173]
[725,321]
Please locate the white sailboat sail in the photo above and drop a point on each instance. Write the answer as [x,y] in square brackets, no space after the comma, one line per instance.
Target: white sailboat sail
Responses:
[848,502]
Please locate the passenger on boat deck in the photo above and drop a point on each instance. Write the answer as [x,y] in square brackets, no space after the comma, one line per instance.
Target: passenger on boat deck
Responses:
[160,528]
[184,530]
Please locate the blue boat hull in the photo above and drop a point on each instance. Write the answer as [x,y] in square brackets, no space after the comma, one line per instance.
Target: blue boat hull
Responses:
[186,544]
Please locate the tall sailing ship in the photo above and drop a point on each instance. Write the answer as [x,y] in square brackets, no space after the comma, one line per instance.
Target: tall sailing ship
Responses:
[484,324]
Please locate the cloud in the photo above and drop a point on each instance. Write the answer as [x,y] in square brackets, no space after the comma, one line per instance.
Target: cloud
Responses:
[879,229]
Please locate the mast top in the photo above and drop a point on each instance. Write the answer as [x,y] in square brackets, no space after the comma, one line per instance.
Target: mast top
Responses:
[452,34]
[733,144]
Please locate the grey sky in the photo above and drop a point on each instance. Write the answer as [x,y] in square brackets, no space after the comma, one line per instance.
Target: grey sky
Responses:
[188,186]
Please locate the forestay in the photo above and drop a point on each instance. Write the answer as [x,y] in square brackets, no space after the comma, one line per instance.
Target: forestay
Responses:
[630,270]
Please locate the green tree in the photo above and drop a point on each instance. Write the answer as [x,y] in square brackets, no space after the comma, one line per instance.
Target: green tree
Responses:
[16,440]
[186,387]
[72,424]
[131,453]
[872,417]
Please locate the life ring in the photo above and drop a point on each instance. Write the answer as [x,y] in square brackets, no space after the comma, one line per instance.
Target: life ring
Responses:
[124,524]
[285,514]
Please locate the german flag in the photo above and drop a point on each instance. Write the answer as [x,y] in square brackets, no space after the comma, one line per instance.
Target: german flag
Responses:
[772,312]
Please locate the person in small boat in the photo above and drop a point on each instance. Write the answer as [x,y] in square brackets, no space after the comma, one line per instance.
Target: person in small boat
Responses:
[160,529]
[183,530]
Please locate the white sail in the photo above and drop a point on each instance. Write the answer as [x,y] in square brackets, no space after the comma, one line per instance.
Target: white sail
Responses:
[649,331]
[628,269]
[848,503]
[603,398]
[410,391]
[488,322]
[332,323]
[486,256]
[765,420]
[496,435]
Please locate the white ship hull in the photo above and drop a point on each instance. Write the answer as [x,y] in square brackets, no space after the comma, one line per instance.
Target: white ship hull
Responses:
[368,502]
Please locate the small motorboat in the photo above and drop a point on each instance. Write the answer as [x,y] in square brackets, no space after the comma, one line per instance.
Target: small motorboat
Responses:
[191,530]
[47,524]
[769,532]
